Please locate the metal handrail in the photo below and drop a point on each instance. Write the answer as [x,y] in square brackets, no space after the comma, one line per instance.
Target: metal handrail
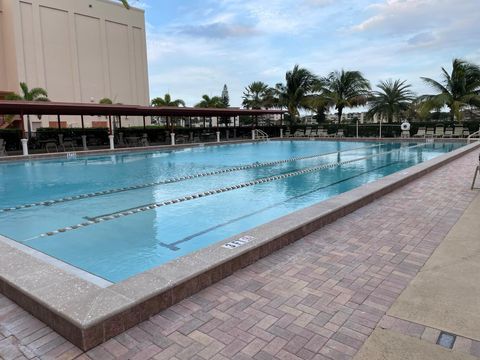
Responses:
[475,135]
[261,135]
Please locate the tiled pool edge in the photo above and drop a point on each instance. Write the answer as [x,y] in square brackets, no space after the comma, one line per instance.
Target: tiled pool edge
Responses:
[100,314]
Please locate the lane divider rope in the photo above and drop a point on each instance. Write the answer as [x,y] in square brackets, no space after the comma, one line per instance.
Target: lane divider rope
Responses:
[173,180]
[152,206]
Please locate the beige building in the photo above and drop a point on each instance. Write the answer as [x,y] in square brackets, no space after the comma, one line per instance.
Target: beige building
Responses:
[78,50]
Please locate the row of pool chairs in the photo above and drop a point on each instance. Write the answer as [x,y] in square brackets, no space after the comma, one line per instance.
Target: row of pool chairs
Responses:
[313,132]
[440,131]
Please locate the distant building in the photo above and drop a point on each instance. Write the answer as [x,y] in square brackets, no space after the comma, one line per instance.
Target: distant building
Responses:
[78,50]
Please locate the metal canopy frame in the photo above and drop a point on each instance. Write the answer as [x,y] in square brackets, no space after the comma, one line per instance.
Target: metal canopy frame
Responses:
[88,109]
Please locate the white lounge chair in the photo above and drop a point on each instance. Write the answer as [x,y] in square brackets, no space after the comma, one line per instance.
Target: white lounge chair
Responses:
[439,131]
[340,133]
[322,133]
[430,132]
[420,132]
[299,133]
[448,132]
[458,132]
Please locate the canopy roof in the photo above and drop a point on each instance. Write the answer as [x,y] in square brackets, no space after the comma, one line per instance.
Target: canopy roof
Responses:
[61,108]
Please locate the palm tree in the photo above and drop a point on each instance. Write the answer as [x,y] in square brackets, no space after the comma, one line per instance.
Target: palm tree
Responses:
[125,3]
[293,94]
[256,95]
[210,102]
[167,101]
[347,89]
[35,94]
[457,90]
[393,98]
[319,101]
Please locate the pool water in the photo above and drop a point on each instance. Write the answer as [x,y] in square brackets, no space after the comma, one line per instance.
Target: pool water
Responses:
[119,215]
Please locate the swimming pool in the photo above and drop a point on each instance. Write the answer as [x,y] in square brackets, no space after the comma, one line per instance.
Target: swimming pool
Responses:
[119,215]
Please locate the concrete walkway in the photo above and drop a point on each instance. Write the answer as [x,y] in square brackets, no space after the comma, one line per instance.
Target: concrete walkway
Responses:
[320,298]
[444,296]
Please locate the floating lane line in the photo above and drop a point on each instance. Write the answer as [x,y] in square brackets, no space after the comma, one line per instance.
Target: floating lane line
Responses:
[174,180]
[152,206]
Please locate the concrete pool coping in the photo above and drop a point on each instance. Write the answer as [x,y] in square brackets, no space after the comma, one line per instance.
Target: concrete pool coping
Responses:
[87,314]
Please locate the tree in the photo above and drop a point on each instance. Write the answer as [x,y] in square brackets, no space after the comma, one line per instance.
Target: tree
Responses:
[294,93]
[210,102]
[457,90]
[346,89]
[225,96]
[319,101]
[35,94]
[125,3]
[394,98]
[256,95]
[105,101]
[167,101]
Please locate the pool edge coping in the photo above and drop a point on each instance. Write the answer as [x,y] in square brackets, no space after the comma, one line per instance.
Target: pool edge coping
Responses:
[88,315]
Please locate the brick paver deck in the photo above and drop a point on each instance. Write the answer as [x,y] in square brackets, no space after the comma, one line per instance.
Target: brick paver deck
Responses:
[317,299]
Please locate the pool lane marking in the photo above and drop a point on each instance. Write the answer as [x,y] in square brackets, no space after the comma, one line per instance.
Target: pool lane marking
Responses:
[174,180]
[152,206]
[174,246]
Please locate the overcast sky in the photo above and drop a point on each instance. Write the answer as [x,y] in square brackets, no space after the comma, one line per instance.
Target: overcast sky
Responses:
[197,46]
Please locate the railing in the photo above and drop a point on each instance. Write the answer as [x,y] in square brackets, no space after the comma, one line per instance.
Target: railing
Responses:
[261,135]
[474,137]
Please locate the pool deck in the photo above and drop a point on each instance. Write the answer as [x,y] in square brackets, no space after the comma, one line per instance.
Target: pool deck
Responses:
[319,298]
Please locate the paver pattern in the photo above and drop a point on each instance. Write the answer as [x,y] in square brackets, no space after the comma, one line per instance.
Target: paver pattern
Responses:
[319,298]
[428,334]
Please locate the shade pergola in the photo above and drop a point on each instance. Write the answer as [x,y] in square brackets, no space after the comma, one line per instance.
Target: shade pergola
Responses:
[87,109]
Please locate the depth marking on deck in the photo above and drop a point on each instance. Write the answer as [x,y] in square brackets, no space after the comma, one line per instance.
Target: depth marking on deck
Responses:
[152,206]
[174,180]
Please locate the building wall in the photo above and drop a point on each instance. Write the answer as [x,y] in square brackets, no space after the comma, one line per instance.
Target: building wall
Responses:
[78,50]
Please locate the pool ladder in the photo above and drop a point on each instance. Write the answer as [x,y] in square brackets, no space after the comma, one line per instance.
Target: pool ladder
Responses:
[260,135]
[474,137]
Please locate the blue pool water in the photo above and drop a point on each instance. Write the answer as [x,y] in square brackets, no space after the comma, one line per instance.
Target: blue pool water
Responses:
[131,227]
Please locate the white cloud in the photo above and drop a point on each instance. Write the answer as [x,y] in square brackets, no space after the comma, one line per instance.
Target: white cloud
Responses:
[240,41]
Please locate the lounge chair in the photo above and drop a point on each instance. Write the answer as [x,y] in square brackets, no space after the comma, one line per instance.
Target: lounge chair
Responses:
[322,133]
[308,132]
[67,145]
[3,152]
[439,131]
[430,132]
[144,141]
[405,134]
[314,133]
[287,133]
[299,133]
[51,146]
[466,132]
[448,132]
[340,133]
[420,132]
[458,132]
